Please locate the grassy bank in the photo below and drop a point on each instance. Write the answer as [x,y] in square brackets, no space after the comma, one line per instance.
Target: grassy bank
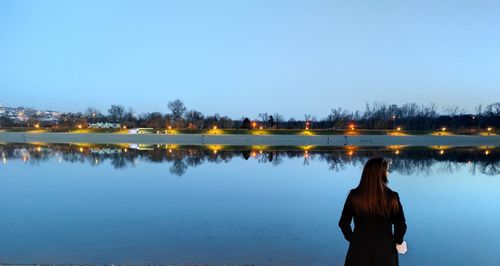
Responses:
[261,131]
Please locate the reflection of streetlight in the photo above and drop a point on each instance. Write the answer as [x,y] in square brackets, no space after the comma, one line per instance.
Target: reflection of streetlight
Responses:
[486,152]
[441,152]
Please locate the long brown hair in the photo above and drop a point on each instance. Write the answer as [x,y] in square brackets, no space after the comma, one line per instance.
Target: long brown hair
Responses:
[371,197]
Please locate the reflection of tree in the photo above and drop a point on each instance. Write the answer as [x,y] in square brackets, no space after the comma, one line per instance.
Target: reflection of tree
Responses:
[178,167]
[118,161]
[407,162]
[490,167]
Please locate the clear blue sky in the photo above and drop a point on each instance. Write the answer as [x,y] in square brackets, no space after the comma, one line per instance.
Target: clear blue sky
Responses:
[245,57]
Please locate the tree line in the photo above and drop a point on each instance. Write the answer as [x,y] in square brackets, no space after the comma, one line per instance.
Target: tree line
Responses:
[379,116]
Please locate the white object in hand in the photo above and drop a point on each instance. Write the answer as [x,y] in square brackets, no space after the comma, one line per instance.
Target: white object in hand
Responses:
[402,248]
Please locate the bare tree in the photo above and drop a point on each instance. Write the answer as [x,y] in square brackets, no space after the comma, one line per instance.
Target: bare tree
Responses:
[177,108]
[264,117]
[278,119]
[116,113]
[479,112]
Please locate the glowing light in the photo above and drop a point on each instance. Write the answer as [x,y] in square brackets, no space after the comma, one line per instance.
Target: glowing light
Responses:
[4,160]
[254,124]
[441,152]
[486,152]
[350,153]
[396,152]
[81,149]
[253,154]
[37,125]
[38,149]
[215,128]
[443,129]
[170,150]
[260,127]
[352,126]
[260,151]
[169,127]
[215,151]
[124,127]
[489,129]
[125,150]
[399,128]
[80,126]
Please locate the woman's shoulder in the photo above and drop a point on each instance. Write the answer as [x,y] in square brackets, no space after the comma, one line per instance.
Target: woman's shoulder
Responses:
[392,193]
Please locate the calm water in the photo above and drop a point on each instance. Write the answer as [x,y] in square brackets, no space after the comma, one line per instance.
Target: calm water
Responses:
[70,204]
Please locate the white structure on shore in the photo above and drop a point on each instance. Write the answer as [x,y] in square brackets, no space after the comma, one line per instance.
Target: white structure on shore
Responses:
[104,125]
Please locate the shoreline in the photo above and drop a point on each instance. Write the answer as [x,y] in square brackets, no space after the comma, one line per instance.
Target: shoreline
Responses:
[248,140]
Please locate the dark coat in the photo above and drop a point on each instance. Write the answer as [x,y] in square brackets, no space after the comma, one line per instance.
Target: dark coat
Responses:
[373,241]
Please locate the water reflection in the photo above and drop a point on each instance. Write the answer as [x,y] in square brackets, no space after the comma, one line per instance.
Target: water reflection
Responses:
[405,161]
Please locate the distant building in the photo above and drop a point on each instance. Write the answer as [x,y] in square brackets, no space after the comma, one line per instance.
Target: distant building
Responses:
[142,130]
[104,125]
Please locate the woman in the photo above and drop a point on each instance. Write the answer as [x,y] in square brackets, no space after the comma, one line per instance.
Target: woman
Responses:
[375,209]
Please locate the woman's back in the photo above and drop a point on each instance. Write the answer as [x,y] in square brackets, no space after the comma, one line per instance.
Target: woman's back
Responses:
[373,241]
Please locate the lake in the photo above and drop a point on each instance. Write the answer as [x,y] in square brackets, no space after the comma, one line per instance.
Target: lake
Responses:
[136,204]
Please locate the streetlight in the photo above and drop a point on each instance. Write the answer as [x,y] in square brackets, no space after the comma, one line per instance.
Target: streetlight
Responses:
[443,129]
[254,125]
[260,127]
[399,128]
[489,129]
[37,126]
[352,126]
[80,126]
[394,121]
[215,127]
